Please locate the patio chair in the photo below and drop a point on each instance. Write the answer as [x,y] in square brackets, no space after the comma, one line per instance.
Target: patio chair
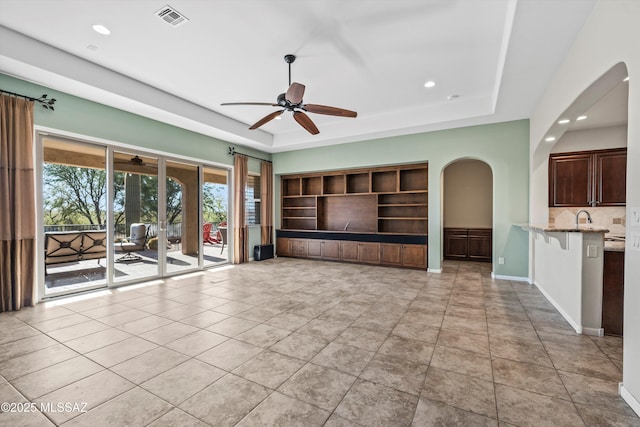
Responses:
[206,234]
[223,237]
[136,241]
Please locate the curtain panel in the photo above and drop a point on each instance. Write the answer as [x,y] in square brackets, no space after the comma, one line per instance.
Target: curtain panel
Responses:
[240,229]
[17,204]
[266,202]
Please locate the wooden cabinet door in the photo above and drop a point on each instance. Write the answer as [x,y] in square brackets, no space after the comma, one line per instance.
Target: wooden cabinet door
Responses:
[613,293]
[455,243]
[298,248]
[282,246]
[369,253]
[571,180]
[414,256]
[390,254]
[314,248]
[331,249]
[349,251]
[479,245]
[611,178]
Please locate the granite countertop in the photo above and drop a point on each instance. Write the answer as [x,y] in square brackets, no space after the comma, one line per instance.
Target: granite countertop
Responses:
[615,246]
[552,229]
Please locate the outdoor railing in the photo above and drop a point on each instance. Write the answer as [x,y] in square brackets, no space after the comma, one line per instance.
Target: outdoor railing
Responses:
[173,230]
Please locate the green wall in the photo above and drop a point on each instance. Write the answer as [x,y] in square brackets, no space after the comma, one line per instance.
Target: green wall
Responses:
[91,119]
[503,146]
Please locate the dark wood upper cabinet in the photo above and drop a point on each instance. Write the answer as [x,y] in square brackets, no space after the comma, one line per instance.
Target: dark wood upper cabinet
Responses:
[611,178]
[570,180]
[588,178]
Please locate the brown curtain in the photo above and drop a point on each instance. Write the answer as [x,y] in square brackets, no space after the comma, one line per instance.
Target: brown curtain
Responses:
[266,202]
[17,205]
[240,230]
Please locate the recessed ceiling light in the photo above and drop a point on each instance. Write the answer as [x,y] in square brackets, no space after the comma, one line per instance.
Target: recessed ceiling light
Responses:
[626,79]
[430,83]
[278,118]
[581,117]
[550,138]
[101,29]
[563,121]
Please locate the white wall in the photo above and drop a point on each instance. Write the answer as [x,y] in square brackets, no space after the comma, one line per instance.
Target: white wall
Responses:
[608,37]
[592,139]
[468,195]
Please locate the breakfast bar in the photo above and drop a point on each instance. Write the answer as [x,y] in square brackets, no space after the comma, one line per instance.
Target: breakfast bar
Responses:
[567,267]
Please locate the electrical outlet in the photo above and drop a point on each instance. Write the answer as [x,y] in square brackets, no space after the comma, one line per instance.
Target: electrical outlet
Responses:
[501,260]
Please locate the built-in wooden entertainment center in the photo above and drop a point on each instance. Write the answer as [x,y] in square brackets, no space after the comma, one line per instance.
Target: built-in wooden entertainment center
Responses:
[375,215]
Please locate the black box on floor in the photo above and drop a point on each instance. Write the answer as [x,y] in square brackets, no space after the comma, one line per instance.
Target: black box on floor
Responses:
[261,252]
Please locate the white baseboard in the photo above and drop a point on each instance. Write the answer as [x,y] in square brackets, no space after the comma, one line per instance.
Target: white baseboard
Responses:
[434,270]
[573,323]
[628,397]
[512,278]
[596,332]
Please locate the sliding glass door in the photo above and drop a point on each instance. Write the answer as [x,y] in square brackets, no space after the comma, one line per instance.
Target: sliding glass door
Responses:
[74,211]
[182,217]
[135,217]
[112,216]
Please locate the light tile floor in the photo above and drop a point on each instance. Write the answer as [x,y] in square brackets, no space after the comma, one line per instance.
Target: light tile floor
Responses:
[297,342]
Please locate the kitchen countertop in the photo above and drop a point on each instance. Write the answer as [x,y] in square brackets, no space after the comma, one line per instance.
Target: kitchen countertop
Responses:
[552,229]
[616,246]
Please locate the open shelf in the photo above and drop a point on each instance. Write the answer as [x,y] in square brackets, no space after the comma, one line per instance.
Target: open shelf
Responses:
[299,202]
[358,182]
[291,187]
[404,226]
[312,185]
[384,181]
[386,200]
[333,184]
[402,211]
[414,179]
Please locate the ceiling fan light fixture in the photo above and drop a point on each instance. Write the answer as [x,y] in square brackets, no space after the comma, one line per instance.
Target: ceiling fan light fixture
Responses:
[292,101]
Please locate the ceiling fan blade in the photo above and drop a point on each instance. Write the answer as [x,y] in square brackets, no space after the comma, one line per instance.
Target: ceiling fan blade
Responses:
[305,122]
[250,103]
[330,111]
[266,119]
[295,93]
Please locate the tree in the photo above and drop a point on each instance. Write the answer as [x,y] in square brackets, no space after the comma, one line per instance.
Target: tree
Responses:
[214,206]
[74,195]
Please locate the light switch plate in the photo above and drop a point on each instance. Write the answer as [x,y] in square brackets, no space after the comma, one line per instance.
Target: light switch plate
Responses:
[592,251]
[634,241]
[634,216]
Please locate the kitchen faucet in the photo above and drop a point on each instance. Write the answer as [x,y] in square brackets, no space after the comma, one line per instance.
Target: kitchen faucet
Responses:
[588,216]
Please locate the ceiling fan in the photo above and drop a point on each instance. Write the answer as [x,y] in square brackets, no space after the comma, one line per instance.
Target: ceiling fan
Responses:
[134,161]
[292,101]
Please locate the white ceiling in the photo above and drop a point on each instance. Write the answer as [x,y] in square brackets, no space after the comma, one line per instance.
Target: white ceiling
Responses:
[371,56]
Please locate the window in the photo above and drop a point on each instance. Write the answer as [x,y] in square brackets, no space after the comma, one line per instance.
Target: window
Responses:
[252,200]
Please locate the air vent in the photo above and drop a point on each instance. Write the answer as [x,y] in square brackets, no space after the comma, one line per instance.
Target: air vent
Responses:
[171,16]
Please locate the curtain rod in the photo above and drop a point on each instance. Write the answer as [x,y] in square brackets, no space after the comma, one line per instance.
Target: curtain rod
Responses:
[47,103]
[233,152]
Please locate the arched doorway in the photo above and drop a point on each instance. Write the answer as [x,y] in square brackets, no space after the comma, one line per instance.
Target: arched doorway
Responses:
[468,211]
